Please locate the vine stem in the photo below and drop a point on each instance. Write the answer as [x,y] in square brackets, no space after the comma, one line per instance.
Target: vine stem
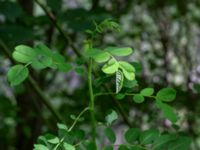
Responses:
[91,94]
[76,120]
[72,126]
[53,19]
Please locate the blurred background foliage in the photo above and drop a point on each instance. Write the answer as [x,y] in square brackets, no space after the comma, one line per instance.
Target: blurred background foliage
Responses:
[165,36]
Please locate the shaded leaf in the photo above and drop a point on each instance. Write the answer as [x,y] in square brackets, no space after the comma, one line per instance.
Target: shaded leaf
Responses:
[149,136]
[132,135]
[110,134]
[162,142]
[182,143]
[167,111]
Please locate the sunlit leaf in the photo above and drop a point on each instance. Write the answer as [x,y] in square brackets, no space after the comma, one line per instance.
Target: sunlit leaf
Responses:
[17,74]
[98,55]
[110,67]
[24,54]
[147,91]
[116,51]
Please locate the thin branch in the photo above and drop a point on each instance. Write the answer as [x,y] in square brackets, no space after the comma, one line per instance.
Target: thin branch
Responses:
[76,120]
[52,17]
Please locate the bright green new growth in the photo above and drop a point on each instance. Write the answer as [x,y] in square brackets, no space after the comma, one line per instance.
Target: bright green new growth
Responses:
[24,54]
[112,65]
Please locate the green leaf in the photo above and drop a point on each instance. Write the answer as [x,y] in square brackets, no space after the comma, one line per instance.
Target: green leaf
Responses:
[65,67]
[147,92]
[111,117]
[89,145]
[120,96]
[116,51]
[52,138]
[24,54]
[162,142]
[80,70]
[138,98]
[130,84]
[182,143]
[166,94]
[98,55]
[110,134]
[137,66]
[125,65]
[68,146]
[40,147]
[43,58]
[167,111]
[57,59]
[148,136]
[17,74]
[110,67]
[43,49]
[62,126]
[127,69]
[129,75]
[41,62]
[131,135]
[78,135]
[119,80]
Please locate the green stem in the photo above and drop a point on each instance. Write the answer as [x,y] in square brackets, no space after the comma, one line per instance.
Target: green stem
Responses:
[112,93]
[76,120]
[92,115]
[72,126]
[53,19]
